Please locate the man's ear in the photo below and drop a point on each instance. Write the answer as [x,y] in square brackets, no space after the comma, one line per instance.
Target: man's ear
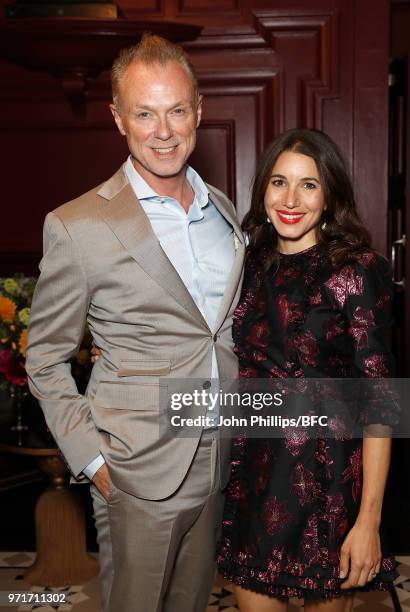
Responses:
[117,119]
[199,111]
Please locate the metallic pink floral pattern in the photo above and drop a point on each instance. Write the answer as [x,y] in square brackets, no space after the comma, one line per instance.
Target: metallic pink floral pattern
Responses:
[304,485]
[310,540]
[261,467]
[306,345]
[354,473]
[363,319]
[289,313]
[316,298]
[335,327]
[323,457]
[335,513]
[258,335]
[275,515]
[375,366]
[384,300]
[366,259]
[295,439]
[345,283]
[292,500]
[248,372]
[339,428]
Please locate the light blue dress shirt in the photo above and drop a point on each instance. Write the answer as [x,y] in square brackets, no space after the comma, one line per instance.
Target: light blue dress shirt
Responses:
[199,244]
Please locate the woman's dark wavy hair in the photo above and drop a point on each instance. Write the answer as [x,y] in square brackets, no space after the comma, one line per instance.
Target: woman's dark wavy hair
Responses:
[344,235]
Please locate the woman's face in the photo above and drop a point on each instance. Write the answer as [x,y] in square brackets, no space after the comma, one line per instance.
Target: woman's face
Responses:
[294,201]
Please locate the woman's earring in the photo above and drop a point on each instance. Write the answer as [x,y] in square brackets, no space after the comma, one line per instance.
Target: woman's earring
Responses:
[322,227]
[268,220]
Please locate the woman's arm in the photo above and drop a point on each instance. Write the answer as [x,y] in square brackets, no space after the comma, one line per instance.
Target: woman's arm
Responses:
[366,304]
[360,554]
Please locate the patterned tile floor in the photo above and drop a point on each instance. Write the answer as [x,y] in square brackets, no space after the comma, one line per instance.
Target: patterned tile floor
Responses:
[85,598]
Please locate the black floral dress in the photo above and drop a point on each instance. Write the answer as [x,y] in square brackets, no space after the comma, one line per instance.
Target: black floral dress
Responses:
[292,501]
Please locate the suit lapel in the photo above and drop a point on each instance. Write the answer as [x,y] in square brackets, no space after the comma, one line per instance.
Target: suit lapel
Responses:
[224,207]
[125,216]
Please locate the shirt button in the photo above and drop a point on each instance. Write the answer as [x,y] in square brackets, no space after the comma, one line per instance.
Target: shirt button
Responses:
[215,337]
[206,384]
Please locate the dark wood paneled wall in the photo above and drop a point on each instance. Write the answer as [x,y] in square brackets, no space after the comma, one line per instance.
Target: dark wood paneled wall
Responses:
[263,65]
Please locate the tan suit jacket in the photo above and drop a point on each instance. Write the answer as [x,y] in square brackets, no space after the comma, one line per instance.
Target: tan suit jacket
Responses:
[103,263]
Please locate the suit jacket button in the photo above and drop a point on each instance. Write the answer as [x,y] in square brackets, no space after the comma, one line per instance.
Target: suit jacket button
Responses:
[206,384]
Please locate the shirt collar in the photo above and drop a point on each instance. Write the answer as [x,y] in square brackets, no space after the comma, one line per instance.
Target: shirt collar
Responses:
[144,192]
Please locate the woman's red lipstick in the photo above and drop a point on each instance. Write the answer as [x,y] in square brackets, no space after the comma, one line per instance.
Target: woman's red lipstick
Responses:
[289,217]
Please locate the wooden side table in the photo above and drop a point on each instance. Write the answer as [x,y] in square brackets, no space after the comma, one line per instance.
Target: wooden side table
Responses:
[62,557]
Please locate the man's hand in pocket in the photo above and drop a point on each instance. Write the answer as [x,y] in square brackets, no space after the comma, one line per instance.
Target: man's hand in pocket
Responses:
[102,480]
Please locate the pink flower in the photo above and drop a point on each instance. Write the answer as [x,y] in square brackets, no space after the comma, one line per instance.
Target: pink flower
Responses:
[12,368]
[5,358]
[15,373]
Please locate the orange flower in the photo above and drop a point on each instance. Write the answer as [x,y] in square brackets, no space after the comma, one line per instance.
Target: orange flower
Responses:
[7,309]
[23,342]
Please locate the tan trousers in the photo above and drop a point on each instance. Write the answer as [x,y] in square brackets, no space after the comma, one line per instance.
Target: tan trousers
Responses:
[158,556]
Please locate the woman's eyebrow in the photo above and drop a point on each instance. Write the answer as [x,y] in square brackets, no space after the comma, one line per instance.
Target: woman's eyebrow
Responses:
[310,178]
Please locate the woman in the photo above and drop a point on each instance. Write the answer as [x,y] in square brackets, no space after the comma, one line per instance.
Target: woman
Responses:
[302,515]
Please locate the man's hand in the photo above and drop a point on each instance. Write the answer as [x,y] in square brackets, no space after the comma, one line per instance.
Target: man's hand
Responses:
[95,352]
[102,480]
[361,551]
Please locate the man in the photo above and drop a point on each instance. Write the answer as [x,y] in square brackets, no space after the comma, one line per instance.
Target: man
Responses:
[152,259]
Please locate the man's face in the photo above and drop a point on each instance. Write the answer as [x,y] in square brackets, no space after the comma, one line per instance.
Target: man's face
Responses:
[158,114]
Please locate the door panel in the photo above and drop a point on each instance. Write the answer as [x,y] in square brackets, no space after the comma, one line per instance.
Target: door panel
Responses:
[263,66]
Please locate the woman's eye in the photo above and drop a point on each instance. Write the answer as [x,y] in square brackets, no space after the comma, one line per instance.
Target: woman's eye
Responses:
[278,182]
[309,186]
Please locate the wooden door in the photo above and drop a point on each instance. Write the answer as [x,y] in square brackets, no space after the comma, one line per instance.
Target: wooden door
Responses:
[263,65]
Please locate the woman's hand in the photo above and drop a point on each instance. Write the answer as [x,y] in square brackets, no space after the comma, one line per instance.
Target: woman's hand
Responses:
[96,353]
[360,555]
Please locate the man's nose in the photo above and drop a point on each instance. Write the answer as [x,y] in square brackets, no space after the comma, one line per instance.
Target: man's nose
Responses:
[163,129]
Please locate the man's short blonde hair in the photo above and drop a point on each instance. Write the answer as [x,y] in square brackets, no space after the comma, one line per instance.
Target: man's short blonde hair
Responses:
[150,50]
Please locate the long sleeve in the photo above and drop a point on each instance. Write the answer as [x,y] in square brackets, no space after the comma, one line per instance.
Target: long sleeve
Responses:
[57,320]
[368,309]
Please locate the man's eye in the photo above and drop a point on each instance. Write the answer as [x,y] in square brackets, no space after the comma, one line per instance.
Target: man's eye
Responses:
[179,111]
[143,115]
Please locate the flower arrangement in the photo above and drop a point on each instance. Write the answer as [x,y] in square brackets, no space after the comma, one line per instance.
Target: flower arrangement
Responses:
[15,300]
[16,294]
